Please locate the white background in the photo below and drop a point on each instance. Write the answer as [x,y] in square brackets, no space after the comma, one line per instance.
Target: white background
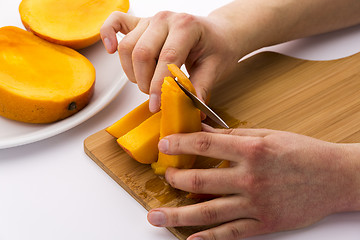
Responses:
[50,189]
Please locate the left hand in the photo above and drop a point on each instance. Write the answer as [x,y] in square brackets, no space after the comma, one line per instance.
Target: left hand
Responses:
[276,181]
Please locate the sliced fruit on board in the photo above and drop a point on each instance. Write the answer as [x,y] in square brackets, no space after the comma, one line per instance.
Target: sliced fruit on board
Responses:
[179,115]
[141,143]
[130,120]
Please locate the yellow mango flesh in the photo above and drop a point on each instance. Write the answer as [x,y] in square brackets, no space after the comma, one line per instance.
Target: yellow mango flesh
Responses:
[130,120]
[181,77]
[179,115]
[73,23]
[141,143]
[41,82]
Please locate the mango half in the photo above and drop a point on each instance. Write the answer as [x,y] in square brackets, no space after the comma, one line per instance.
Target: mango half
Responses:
[41,82]
[73,23]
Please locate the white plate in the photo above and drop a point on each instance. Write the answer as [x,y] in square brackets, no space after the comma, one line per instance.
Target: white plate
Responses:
[110,79]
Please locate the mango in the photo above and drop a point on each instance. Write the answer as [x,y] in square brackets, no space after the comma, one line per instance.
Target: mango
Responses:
[41,82]
[73,23]
[141,143]
[130,120]
[179,115]
[139,131]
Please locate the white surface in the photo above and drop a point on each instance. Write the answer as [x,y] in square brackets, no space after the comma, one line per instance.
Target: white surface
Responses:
[51,190]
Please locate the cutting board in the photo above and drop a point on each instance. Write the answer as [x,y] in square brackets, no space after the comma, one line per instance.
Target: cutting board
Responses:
[269,90]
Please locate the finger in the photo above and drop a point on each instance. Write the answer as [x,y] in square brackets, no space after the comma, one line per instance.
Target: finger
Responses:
[203,76]
[251,132]
[182,37]
[239,229]
[215,145]
[117,21]
[209,181]
[147,50]
[211,212]
[126,47]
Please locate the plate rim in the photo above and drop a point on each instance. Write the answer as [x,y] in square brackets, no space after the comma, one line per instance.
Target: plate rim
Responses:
[68,123]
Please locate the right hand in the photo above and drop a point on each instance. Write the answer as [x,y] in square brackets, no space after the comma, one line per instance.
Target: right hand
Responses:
[203,44]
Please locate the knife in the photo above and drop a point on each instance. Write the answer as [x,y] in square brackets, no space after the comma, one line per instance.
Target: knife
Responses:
[202,106]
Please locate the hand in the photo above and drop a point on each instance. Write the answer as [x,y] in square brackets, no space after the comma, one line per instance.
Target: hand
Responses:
[152,43]
[276,181]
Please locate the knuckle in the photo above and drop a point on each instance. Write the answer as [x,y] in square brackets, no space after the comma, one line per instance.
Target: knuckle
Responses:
[125,46]
[171,179]
[184,20]
[249,181]
[162,15]
[115,14]
[197,183]
[168,54]
[103,29]
[143,86]
[203,142]
[209,215]
[141,54]
[175,145]
[211,235]
[230,131]
[203,92]
[174,219]
[235,232]
[257,149]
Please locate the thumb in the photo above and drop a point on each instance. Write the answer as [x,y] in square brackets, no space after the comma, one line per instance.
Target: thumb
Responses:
[116,22]
[203,77]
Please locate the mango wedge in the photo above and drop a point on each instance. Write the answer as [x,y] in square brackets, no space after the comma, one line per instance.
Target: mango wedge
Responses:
[130,120]
[179,115]
[141,143]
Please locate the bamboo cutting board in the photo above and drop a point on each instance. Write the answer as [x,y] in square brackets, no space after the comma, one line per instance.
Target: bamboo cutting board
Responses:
[269,90]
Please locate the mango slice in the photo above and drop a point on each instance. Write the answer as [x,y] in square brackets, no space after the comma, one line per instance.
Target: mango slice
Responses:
[141,143]
[130,120]
[140,137]
[41,82]
[181,77]
[73,23]
[179,115]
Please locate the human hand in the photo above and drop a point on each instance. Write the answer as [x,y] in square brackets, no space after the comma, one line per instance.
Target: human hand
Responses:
[276,181]
[204,44]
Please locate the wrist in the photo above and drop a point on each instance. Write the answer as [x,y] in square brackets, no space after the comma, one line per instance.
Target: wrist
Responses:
[351,166]
[250,25]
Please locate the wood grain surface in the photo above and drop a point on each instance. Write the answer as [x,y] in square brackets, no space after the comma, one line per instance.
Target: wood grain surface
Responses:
[315,98]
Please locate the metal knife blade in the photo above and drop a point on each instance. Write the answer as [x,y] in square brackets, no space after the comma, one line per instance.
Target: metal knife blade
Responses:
[202,106]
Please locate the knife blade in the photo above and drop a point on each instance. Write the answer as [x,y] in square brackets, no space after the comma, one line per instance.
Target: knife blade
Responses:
[202,106]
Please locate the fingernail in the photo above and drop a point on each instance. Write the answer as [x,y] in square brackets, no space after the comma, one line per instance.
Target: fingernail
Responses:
[107,44]
[157,218]
[154,103]
[163,145]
